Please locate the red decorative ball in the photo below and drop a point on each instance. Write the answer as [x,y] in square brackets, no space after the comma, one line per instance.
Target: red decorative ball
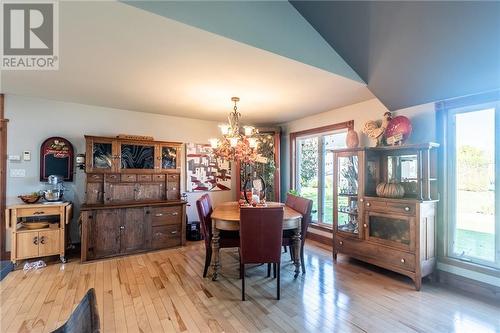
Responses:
[399,125]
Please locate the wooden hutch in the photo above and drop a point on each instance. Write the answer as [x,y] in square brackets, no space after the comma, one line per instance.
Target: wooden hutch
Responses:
[132,197]
[397,234]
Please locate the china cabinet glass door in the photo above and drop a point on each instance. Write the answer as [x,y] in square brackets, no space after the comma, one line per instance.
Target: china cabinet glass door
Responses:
[137,156]
[168,158]
[100,155]
[347,218]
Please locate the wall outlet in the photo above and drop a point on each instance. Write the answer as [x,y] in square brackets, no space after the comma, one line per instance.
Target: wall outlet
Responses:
[17,173]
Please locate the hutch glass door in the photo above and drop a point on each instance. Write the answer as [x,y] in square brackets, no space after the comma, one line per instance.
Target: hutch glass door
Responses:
[169,158]
[137,156]
[102,155]
[347,192]
[390,229]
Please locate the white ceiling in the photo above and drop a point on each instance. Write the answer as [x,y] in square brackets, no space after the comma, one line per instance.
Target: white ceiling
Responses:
[114,55]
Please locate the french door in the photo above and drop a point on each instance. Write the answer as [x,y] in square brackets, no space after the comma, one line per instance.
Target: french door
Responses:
[473,186]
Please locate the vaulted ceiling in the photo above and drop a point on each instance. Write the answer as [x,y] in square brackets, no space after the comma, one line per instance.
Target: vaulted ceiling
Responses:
[413,52]
[285,60]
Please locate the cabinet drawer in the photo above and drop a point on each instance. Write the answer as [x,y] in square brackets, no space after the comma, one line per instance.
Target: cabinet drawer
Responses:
[129,178]
[395,207]
[112,178]
[383,255]
[173,177]
[166,215]
[166,236]
[158,178]
[144,178]
[40,211]
[95,177]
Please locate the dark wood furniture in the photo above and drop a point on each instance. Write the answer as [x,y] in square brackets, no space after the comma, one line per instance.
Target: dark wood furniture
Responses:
[132,197]
[228,239]
[394,233]
[261,231]
[85,318]
[304,207]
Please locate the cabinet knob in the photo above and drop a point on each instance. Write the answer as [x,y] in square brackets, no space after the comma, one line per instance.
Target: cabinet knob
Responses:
[175,213]
[365,225]
[159,214]
[122,227]
[42,240]
[341,242]
[407,209]
[35,240]
[403,260]
[368,204]
[173,232]
[361,199]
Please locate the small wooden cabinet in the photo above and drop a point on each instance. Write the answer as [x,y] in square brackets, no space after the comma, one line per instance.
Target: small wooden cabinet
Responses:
[32,243]
[397,234]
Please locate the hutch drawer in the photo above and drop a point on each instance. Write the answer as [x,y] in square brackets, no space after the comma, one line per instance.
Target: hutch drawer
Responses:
[166,215]
[366,250]
[393,207]
[95,177]
[112,178]
[144,178]
[158,178]
[128,178]
[166,236]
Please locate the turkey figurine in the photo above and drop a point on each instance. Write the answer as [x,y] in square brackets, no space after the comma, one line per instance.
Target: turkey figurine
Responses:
[376,131]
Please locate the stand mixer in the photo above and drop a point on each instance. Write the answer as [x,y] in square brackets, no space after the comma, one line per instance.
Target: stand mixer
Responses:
[55,189]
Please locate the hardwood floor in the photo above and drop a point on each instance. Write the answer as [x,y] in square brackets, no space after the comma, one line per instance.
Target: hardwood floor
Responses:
[164,291]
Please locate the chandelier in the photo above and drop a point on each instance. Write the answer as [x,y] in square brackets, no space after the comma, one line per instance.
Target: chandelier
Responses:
[235,145]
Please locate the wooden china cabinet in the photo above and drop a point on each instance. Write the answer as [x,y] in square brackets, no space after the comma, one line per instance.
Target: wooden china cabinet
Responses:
[132,197]
[397,234]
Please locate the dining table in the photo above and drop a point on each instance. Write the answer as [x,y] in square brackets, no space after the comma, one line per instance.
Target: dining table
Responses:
[226,216]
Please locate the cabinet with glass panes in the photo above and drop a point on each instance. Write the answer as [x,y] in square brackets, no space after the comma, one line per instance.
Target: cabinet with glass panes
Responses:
[394,226]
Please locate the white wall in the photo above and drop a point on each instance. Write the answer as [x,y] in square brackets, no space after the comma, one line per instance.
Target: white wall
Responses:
[32,120]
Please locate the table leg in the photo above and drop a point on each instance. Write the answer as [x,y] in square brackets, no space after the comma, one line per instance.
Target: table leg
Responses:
[215,251]
[296,254]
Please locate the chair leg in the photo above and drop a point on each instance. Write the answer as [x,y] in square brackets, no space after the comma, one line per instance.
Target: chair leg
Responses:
[284,249]
[302,259]
[278,281]
[274,271]
[268,269]
[208,260]
[291,253]
[242,270]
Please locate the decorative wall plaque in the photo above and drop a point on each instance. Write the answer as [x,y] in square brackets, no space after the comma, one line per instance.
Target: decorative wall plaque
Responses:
[56,158]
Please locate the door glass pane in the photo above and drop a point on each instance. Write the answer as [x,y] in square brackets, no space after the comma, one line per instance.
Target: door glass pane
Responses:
[101,155]
[474,235]
[307,171]
[390,229]
[137,156]
[168,157]
[348,194]
[330,141]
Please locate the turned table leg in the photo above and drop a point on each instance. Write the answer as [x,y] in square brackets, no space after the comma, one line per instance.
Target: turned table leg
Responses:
[215,251]
[296,254]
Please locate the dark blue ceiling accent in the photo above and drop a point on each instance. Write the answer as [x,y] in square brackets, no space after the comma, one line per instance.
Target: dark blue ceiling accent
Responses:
[412,53]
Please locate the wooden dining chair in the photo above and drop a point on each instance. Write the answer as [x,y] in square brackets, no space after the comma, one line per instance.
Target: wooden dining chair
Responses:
[228,239]
[261,232]
[304,207]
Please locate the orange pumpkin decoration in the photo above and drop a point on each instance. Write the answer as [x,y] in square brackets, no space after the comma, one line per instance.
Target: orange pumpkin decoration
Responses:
[390,190]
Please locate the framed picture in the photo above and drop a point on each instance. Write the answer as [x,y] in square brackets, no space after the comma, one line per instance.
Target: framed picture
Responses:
[204,172]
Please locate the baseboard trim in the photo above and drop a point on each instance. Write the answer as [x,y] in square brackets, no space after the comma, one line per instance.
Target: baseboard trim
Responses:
[477,288]
[319,238]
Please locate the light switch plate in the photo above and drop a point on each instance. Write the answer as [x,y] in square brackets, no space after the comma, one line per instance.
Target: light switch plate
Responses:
[14,158]
[17,173]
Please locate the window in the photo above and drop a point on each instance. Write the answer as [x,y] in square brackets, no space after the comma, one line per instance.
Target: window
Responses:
[312,167]
[472,189]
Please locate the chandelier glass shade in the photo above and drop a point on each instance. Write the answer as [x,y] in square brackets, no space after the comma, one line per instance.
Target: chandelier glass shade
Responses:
[237,143]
